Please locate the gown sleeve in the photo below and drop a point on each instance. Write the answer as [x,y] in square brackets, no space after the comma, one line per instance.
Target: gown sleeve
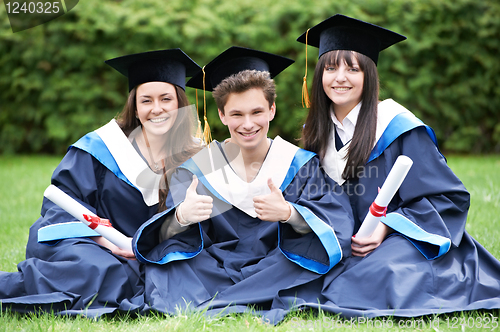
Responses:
[430,208]
[184,245]
[77,176]
[326,209]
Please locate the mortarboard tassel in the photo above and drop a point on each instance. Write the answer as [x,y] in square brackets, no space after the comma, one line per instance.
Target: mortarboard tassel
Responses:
[305,94]
[207,135]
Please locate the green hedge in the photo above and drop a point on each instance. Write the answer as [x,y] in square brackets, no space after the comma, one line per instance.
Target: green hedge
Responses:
[55,87]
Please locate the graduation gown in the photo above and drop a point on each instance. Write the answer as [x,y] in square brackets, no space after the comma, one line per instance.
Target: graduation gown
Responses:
[64,270]
[430,264]
[233,260]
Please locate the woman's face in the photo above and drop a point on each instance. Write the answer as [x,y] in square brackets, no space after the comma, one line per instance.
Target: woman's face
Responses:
[157,106]
[343,84]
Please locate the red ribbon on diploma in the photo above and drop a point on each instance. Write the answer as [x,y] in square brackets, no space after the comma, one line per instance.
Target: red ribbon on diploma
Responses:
[96,221]
[378,211]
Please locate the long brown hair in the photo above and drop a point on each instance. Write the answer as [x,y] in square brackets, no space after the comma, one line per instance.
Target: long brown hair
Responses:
[181,144]
[319,125]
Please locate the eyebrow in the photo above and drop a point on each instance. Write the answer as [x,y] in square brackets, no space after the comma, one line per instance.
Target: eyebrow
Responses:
[343,61]
[163,94]
[259,108]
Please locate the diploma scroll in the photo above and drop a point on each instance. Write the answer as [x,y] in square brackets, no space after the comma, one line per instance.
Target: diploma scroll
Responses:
[385,195]
[68,204]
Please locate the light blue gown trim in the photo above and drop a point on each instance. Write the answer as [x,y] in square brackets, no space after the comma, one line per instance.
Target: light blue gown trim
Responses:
[327,237]
[170,257]
[191,166]
[57,232]
[399,125]
[300,159]
[417,236]
[95,146]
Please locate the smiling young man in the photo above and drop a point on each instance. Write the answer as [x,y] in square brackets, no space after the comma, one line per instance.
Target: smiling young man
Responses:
[249,216]
[247,115]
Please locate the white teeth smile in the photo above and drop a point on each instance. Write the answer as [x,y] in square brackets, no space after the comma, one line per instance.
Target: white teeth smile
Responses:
[342,89]
[158,120]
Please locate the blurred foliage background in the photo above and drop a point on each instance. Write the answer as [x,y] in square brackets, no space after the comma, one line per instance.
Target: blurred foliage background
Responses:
[55,87]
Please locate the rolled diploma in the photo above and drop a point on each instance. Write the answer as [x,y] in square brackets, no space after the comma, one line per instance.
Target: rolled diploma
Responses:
[385,195]
[68,204]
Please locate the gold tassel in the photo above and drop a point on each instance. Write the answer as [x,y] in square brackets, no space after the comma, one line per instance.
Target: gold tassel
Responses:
[305,93]
[207,135]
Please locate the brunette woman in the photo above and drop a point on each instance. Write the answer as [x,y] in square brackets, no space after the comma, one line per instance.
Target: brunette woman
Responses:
[118,172]
[419,260]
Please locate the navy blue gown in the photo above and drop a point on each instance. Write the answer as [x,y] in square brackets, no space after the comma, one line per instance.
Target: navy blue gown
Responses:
[430,264]
[64,270]
[234,261]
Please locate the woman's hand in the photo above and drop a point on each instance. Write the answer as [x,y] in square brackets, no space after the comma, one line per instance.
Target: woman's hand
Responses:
[114,249]
[195,208]
[364,246]
[272,207]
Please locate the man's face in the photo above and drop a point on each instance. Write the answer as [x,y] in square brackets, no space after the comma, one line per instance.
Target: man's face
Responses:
[247,116]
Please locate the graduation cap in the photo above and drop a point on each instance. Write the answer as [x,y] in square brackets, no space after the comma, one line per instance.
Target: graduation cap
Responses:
[171,66]
[232,61]
[341,32]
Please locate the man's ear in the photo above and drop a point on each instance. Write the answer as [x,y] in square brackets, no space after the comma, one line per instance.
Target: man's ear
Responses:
[273,112]
[222,117]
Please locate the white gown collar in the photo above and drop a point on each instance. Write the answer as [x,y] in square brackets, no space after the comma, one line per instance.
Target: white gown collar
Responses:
[334,161]
[240,193]
[130,162]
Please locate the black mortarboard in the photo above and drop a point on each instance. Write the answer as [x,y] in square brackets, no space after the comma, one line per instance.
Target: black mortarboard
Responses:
[171,66]
[236,59]
[341,32]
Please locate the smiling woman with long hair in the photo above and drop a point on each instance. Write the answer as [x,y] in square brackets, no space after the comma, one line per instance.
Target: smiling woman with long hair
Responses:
[176,145]
[419,260]
[119,172]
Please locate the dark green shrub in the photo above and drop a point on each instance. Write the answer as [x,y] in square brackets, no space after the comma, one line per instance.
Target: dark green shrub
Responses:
[55,87]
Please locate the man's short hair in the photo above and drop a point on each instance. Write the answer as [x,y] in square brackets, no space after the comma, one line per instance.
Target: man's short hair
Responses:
[244,81]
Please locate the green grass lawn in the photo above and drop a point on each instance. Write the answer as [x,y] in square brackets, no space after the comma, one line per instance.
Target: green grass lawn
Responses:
[24,178]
